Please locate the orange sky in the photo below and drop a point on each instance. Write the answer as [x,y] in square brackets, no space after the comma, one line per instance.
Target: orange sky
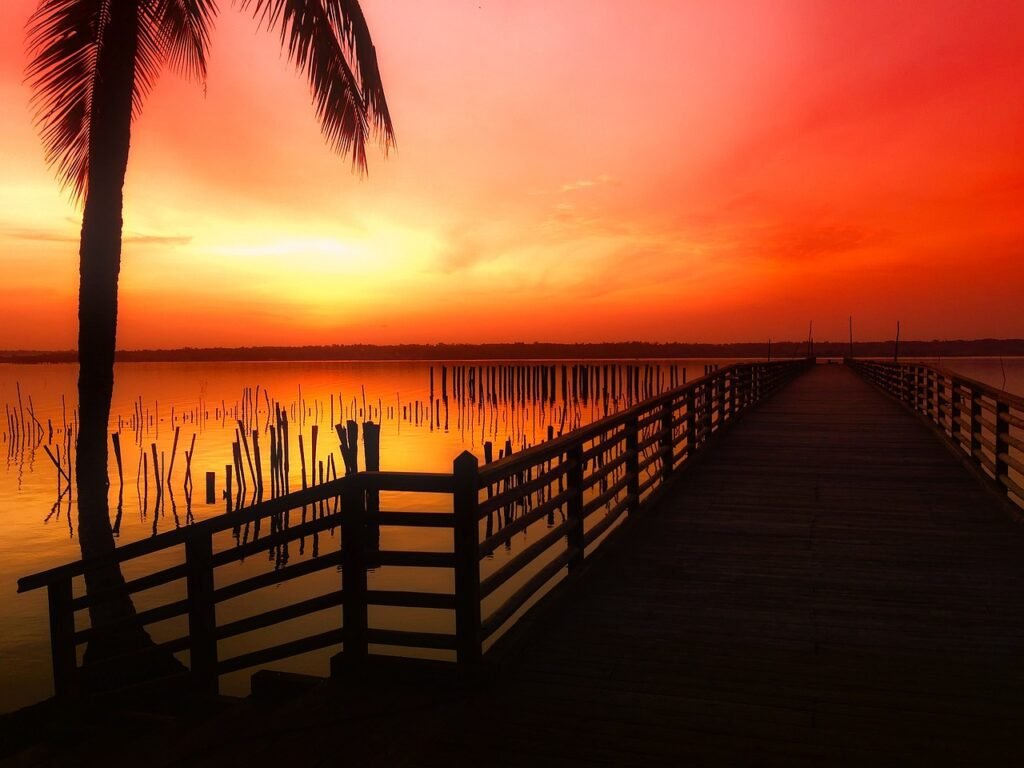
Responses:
[570,170]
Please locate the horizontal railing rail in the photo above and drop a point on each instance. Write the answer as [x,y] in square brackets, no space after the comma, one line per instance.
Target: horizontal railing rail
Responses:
[985,424]
[566,495]
[348,505]
[577,487]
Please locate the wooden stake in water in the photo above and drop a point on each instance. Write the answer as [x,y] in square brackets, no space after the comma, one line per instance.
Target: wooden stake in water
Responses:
[174,452]
[116,439]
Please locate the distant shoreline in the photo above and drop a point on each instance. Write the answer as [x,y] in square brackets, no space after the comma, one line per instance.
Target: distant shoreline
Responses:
[538,351]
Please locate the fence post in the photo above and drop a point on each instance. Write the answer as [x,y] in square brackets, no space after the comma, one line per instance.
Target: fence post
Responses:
[62,638]
[924,382]
[691,423]
[975,424]
[954,412]
[468,640]
[667,443]
[933,395]
[708,415]
[371,454]
[202,611]
[1002,443]
[574,506]
[731,379]
[353,569]
[633,462]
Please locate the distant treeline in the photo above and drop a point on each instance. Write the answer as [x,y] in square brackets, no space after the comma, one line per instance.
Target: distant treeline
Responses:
[543,351]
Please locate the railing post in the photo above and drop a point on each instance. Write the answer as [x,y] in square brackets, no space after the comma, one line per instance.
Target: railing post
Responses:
[202,611]
[1002,432]
[720,388]
[933,395]
[574,506]
[62,638]
[954,411]
[728,396]
[707,411]
[353,569]
[924,391]
[975,424]
[633,462]
[691,423]
[468,640]
[667,444]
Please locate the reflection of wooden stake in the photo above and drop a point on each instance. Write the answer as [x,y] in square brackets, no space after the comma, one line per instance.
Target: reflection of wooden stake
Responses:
[259,463]
[312,451]
[188,467]
[245,443]
[211,487]
[156,472]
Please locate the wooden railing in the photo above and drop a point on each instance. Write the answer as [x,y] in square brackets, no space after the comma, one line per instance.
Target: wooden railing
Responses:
[566,495]
[985,424]
[580,485]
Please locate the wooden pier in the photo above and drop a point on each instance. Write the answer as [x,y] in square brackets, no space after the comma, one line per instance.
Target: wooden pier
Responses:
[827,586]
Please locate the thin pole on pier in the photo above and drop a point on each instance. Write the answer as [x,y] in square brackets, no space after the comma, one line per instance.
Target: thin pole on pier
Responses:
[851,335]
[896,348]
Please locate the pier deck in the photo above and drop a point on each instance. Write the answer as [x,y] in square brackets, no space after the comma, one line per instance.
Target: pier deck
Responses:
[828,586]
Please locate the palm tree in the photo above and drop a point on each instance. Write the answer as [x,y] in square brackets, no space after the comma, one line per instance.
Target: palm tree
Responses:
[92,64]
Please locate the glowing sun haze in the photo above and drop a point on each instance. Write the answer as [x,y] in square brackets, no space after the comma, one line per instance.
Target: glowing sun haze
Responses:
[569,170]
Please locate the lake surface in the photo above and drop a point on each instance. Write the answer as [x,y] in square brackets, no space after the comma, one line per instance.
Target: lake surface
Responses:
[155,403]
[202,403]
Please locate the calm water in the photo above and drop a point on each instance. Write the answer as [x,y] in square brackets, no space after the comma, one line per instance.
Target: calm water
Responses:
[202,402]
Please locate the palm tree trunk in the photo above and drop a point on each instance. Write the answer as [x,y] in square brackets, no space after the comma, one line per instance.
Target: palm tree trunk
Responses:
[100,265]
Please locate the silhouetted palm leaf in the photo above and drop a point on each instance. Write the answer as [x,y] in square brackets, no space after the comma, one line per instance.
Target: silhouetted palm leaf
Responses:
[321,37]
[64,36]
[328,39]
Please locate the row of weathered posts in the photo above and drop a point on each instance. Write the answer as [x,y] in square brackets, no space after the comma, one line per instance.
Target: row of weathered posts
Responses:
[983,423]
[572,491]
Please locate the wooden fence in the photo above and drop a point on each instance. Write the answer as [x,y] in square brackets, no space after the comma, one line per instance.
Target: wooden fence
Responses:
[562,497]
[984,424]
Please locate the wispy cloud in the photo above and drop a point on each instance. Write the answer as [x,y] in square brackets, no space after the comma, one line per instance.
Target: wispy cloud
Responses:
[57,236]
[579,184]
[461,252]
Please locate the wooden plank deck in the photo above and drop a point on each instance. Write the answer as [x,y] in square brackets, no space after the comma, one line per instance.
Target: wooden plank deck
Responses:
[829,587]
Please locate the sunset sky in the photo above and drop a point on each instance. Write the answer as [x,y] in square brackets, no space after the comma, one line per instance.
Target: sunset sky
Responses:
[566,170]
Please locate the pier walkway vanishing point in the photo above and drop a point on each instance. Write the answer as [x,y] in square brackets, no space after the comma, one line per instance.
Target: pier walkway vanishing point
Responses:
[829,586]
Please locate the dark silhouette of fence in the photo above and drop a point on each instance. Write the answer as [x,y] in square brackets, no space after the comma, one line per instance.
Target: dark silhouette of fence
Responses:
[578,486]
[984,424]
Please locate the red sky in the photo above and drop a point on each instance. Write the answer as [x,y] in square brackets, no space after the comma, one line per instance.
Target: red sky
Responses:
[571,170]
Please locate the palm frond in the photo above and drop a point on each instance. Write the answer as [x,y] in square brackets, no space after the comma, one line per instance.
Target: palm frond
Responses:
[64,38]
[320,48]
[185,27]
[350,26]
[175,32]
